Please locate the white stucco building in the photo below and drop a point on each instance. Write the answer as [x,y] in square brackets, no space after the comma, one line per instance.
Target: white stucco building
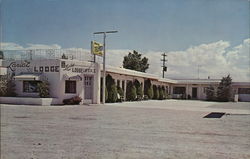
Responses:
[69,78]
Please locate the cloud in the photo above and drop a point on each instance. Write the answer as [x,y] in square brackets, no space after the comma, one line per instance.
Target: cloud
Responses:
[215,59]
[41,46]
[11,46]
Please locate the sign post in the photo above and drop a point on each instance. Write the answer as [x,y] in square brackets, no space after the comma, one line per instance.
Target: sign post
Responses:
[104,59]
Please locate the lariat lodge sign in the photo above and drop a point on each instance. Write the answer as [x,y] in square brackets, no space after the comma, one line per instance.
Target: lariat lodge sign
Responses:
[28,67]
[32,66]
[77,68]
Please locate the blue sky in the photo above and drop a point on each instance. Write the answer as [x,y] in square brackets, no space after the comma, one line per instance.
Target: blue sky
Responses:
[158,25]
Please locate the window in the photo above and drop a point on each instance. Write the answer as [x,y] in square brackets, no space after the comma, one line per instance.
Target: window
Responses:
[30,86]
[179,90]
[244,90]
[70,86]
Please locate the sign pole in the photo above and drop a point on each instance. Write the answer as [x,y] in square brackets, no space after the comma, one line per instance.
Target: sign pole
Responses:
[104,56]
[104,69]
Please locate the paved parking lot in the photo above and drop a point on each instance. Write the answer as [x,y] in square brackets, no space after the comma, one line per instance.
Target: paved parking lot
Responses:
[150,129]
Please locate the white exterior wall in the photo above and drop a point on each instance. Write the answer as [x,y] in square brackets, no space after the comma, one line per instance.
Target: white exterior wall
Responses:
[73,68]
[56,78]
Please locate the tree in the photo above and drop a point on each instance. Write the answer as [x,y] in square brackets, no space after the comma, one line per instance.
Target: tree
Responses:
[161,95]
[109,81]
[224,91]
[156,92]
[7,87]
[1,55]
[148,89]
[43,89]
[112,95]
[210,93]
[164,92]
[64,56]
[134,61]
[131,92]
[120,91]
[138,87]
[111,89]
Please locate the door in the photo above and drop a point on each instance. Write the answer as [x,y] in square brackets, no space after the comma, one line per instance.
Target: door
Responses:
[194,93]
[88,87]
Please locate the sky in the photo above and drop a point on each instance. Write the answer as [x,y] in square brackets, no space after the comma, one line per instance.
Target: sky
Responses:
[213,34]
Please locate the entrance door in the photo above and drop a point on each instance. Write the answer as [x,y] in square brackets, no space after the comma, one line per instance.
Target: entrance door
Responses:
[194,93]
[88,87]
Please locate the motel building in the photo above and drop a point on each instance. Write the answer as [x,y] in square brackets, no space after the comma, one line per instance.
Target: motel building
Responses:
[74,77]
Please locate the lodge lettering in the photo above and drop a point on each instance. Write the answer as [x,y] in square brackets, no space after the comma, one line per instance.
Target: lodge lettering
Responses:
[14,65]
[46,69]
[83,70]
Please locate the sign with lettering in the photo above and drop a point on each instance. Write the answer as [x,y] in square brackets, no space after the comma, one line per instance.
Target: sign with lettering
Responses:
[14,65]
[78,69]
[46,69]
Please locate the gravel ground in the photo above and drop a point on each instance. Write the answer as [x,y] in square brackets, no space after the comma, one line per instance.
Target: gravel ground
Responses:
[149,129]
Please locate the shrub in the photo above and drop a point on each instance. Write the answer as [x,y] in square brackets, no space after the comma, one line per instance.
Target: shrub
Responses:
[72,101]
[210,94]
[131,92]
[145,97]
[161,96]
[148,90]
[109,82]
[106,94]
[112,95]
[43,89]
[156,92]
[120,91]
[138,87]
[164,92]
[139,91]
[224,92]
[9,88]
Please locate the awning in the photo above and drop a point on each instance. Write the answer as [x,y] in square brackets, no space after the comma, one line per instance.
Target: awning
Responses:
[73,78]
[28,77]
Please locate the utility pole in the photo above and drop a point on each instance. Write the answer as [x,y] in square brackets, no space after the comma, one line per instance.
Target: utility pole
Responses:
[104,70]
[164,67]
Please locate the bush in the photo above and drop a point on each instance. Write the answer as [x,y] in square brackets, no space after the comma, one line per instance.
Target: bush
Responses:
[156,92]
[112,95]
[72,101]
[131,92]
[120,91]
[145,97]
[106,94]
[148,90]
[109,82]
[224,92]
[161,96]
[8,88]
[164,92]
[210,94]
[43,89]
[139,91]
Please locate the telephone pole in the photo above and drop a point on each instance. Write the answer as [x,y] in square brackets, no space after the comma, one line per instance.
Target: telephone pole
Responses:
[164,67]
